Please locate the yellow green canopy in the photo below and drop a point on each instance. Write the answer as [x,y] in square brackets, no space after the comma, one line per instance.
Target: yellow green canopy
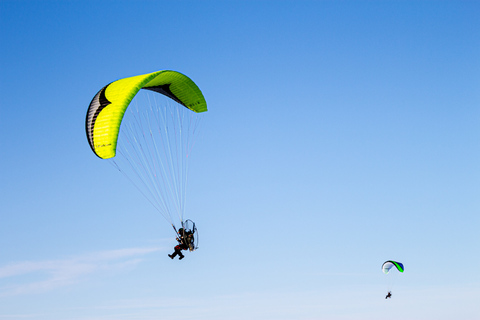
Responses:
[107,108]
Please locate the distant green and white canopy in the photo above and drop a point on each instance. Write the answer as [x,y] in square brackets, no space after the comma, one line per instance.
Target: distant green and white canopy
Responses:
[387,265]
[107,108]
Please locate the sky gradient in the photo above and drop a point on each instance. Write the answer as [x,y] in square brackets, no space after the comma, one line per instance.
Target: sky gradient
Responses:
[340,134]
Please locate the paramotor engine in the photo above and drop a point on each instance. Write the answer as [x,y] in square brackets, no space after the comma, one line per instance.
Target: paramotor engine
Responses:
[190,234]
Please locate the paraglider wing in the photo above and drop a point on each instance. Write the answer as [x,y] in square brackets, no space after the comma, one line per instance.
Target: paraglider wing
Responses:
[148,134]
[107,108]
[387,265]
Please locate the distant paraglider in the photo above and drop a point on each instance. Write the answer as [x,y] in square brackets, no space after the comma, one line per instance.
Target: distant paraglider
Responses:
[151,143]
[386,267]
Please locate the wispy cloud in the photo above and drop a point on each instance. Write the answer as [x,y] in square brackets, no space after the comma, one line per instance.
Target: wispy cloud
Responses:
[52,274]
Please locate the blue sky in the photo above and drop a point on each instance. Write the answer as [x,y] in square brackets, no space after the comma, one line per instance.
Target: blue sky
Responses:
[340,134]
